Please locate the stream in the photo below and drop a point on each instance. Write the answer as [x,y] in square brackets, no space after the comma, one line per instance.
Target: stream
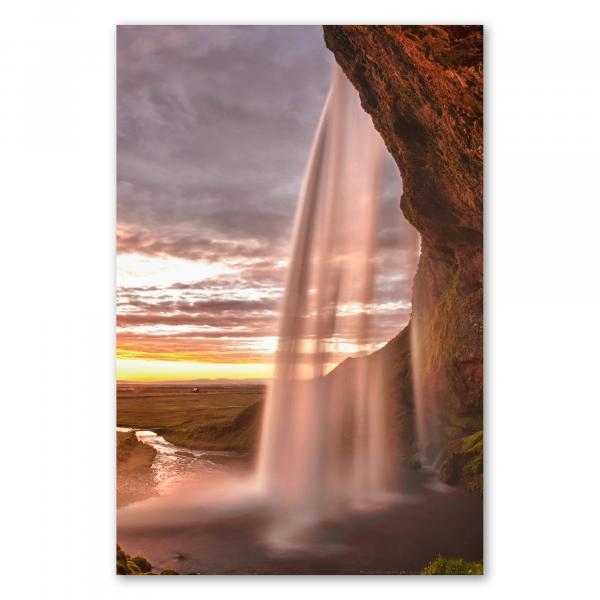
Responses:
[174,463]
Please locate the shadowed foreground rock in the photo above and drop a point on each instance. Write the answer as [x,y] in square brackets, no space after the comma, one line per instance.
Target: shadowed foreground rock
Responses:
[423,87]
[462,463]
[137,565]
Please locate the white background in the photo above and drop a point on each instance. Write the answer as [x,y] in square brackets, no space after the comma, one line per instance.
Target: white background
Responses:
[57,131]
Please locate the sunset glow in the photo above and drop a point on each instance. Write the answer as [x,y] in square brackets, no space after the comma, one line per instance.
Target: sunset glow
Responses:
[163,370]
[206,200]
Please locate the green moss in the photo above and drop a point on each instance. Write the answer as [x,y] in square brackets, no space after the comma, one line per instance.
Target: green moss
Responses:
[126,565]
[462,463]
[440,340]
[142,563]
[473,442]
[121,556]
[453,566]
[122,568]
[133,568]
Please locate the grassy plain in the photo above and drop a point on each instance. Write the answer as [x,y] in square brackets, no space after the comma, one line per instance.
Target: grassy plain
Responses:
[215,418]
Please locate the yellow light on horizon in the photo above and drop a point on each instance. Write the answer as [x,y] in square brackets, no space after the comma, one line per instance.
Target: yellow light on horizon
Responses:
[167,370]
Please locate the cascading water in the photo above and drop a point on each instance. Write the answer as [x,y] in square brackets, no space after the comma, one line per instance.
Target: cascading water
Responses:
[325,441]
[328,444]
[424,394]
[425,410]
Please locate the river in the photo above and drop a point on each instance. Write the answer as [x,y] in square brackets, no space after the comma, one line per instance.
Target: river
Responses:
[172,464]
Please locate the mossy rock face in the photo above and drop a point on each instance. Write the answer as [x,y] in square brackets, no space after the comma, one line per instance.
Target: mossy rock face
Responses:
[122,568]
[169,572]
[133,568]
[142,563]
[462,463]
[453,566]
[126,565]
[441,162]
[121,555]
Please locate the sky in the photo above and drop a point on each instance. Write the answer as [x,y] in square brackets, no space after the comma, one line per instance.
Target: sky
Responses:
[214,128]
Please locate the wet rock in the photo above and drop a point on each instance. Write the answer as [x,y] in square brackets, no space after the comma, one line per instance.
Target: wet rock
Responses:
[126,565]
[462,463]
[143,564]
[413,463]
[423,86]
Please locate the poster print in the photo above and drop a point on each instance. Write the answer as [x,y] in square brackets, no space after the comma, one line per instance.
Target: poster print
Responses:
[300,300]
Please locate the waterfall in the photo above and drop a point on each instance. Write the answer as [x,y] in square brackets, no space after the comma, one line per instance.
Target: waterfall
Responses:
[325,439]
[424,394]
[425,419]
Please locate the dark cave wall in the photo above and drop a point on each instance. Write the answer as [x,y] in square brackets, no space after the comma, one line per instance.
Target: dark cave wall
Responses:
[423,86]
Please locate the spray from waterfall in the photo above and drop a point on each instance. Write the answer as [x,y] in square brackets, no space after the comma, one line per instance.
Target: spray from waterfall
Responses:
[325,441]
[425,409]
[328,444]
[425,426]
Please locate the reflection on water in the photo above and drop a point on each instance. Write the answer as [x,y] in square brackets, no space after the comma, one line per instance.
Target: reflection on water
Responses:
[172,464]
[197,489]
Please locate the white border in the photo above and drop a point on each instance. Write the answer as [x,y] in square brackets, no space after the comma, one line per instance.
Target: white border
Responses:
[57,190]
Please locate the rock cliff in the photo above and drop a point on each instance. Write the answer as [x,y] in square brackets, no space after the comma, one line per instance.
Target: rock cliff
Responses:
[423,87]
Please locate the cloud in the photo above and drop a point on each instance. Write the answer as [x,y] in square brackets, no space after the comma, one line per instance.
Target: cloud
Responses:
[214,127]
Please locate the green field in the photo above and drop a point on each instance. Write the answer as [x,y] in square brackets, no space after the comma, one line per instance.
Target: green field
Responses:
[215,418]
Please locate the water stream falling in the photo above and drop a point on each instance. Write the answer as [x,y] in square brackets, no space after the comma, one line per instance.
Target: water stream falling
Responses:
[325,444]
[425,410]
